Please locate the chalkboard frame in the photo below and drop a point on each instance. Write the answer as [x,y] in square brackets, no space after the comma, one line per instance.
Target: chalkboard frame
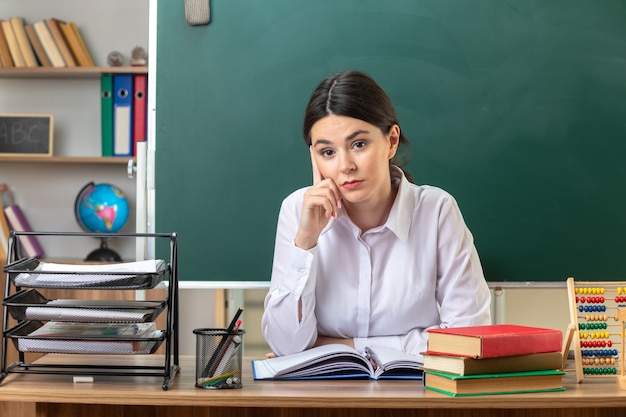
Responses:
[43,148]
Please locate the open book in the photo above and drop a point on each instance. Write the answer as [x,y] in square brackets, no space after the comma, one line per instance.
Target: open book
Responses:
[340,361]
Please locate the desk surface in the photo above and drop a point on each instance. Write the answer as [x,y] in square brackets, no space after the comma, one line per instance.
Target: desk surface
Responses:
[593,392]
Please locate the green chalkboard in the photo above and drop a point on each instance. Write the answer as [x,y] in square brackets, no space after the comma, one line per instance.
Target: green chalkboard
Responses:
[518,108]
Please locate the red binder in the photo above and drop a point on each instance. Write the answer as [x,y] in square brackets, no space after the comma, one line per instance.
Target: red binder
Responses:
[140,106]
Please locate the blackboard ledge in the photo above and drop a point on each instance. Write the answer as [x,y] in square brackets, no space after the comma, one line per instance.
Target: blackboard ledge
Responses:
[526,284]
[223,285]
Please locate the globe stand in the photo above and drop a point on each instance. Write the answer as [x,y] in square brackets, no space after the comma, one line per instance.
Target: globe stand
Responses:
[103,254]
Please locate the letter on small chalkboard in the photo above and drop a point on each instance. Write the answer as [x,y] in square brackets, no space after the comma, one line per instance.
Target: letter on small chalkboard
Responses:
[26,134]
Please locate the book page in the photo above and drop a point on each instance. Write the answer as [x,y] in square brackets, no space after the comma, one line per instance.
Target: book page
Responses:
[314,362]
[394,363]
[387,355]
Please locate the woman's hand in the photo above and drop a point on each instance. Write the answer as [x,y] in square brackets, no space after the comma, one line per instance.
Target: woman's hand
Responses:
[321,202]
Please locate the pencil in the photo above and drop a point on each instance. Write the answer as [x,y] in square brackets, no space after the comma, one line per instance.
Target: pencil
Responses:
[218,351]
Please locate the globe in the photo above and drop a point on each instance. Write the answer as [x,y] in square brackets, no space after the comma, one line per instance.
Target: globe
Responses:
[101,208]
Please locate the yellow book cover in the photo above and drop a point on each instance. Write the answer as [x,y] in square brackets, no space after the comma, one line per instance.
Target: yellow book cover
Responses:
[74,44]
[5,53]
[82,43]
[22,40]
[14,47]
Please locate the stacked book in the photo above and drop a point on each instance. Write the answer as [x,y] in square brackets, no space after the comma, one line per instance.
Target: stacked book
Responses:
[493,359]
[46,43]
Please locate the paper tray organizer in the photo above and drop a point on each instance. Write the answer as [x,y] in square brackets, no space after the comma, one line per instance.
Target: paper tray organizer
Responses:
[25,273]
[32,305]
[96,327]
[111,345]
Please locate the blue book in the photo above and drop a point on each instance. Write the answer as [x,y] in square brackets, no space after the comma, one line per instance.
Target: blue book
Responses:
[122,115]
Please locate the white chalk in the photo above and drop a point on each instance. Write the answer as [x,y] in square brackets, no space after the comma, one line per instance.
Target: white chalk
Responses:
[83,379]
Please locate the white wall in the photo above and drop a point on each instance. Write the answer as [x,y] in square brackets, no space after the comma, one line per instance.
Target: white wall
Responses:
[46,192]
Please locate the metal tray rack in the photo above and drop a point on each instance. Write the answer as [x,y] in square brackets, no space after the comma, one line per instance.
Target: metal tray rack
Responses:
[33,311]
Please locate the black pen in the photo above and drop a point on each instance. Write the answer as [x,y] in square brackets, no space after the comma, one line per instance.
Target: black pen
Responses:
[220,347]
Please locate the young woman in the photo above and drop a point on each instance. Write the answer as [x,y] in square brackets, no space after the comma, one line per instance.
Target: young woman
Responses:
[364,256]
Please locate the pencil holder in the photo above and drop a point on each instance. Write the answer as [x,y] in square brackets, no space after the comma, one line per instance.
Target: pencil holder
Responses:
[218,358]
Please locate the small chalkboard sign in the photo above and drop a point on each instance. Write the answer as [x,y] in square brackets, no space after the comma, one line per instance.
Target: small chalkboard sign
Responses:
[26,134]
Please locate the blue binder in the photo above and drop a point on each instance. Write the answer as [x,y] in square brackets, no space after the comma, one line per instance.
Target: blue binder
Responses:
[122,115]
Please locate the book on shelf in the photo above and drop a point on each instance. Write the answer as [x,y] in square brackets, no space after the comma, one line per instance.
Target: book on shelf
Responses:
[17,23]
[81,55]
[49,45]
[54,26]
[4,255]
[4,224]
[340,361]
[494,340]
[28,244]
[498,383]
[5,53]
[81,40]
[14,47]
[40,52]
[464,365]
[69,337]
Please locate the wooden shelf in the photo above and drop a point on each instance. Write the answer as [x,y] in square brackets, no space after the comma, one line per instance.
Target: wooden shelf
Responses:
[74,72]
[120,160]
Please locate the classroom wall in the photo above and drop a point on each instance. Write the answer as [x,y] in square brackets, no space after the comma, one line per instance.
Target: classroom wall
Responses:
[46,192]
[542,307]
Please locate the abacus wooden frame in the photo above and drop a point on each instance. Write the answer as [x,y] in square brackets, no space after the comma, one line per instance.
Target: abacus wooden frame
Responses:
[573,335]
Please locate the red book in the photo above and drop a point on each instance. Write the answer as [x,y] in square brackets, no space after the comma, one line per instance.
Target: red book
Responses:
[494,341]
[29,245]
[139,110]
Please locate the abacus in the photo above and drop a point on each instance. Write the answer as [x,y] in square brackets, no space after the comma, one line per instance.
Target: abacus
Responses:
[595,327]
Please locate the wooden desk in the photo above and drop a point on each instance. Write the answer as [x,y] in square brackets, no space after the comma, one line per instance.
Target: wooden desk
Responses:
[129,397]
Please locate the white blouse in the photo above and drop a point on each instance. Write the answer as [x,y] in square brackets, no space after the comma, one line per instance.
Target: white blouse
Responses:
[383,287]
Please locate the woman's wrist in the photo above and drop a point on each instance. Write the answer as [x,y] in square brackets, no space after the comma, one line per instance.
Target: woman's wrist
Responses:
[304,243]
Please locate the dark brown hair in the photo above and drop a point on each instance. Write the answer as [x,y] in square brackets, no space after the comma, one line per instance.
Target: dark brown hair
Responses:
[353,94]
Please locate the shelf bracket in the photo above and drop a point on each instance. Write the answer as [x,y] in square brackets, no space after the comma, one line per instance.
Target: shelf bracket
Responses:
[131,169]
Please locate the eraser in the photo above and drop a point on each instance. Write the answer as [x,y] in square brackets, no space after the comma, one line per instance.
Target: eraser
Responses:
[83,379]
[197,12]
